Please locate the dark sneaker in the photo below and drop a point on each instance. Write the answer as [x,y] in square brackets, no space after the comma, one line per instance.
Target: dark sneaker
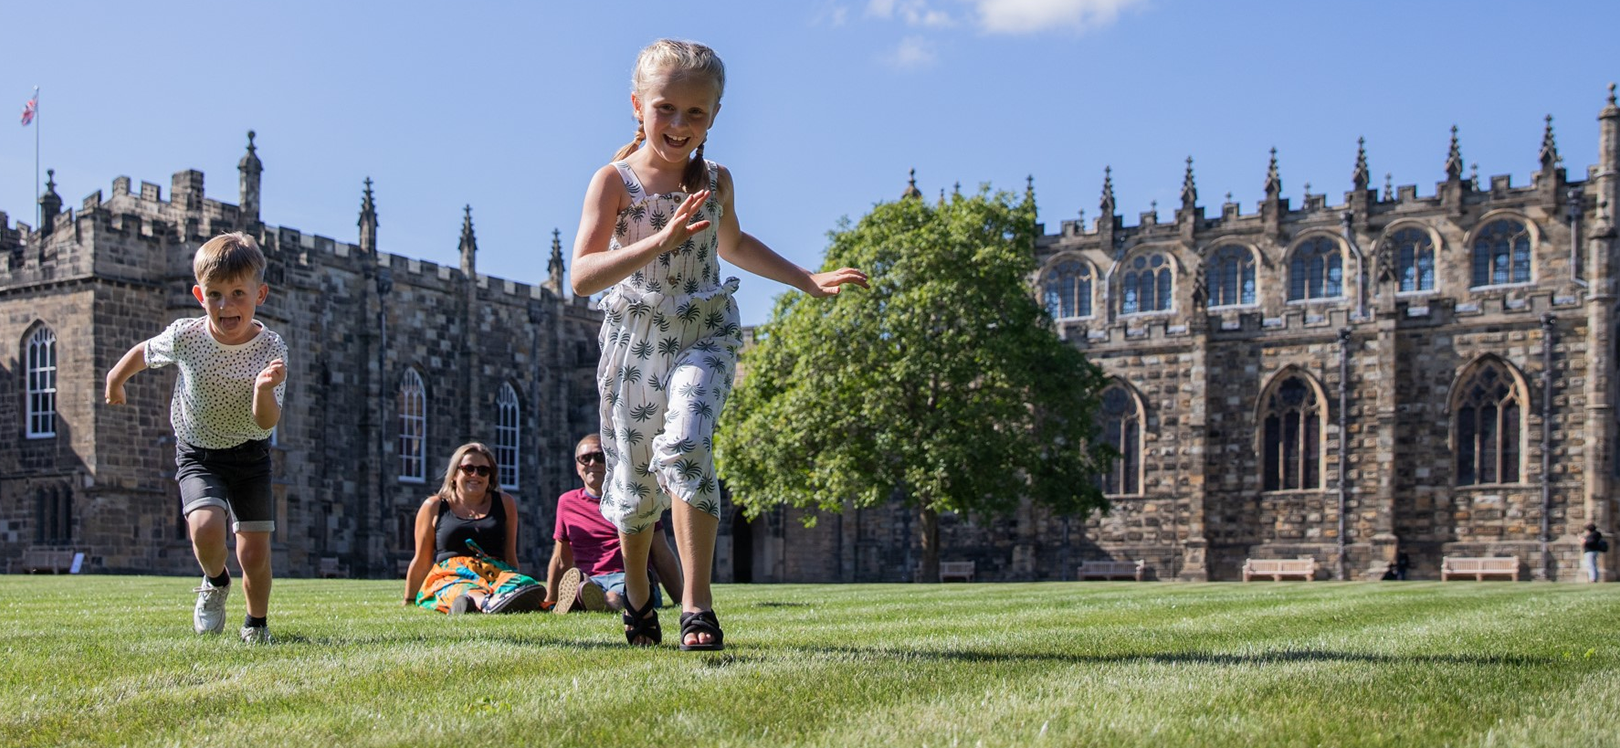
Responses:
[524,599]
[464,604]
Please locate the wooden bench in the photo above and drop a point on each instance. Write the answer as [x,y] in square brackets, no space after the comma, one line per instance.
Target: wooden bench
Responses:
[1111,570]
[332,569]
[1478,567]
[43,561]
[1277,568]
[961,570]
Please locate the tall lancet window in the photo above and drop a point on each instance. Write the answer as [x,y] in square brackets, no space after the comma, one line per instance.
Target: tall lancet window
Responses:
[1292,439]
[412,428]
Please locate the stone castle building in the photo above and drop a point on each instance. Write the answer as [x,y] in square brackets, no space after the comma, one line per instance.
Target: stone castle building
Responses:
[1394,376]
[393,363]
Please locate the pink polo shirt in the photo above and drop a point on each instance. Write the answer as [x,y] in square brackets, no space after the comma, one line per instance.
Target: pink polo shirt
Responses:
[594,539]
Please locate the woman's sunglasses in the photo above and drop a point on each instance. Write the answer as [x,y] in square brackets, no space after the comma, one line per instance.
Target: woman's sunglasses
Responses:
[481,471]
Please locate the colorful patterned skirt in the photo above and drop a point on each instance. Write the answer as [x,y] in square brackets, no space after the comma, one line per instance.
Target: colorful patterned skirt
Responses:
[458,575]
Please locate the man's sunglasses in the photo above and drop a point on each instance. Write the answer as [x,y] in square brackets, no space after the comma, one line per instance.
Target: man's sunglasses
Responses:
[590,457]
[481,471]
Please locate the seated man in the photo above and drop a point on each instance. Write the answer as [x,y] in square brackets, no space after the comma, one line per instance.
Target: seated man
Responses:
[587,569]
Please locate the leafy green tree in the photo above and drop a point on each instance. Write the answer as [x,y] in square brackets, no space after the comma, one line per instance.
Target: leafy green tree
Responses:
[944,383]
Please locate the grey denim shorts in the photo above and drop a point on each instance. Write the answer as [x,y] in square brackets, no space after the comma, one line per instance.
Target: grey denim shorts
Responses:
[235,479]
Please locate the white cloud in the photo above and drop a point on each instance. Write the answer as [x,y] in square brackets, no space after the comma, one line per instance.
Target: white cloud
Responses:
[832,14]
[913,12]
[914,52]
[1027,16]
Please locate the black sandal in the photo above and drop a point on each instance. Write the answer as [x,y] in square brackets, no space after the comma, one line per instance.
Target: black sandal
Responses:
[702,622]
[643,623]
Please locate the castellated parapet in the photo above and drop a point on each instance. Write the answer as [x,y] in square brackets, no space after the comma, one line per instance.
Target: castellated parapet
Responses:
[359,324]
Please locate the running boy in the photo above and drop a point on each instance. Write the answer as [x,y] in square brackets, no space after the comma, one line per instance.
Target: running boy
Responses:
[227,398]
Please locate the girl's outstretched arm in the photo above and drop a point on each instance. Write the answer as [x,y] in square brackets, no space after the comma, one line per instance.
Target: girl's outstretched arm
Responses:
[595,268]
[743,250]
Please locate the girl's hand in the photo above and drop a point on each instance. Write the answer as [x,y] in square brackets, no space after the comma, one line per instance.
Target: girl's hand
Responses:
[272,376]
[828,284]
[678,229]
[115,393]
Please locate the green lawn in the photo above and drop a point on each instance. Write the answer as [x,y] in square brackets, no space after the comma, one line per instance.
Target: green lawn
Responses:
[112,661]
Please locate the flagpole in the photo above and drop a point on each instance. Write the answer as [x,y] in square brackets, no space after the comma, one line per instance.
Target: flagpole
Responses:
[39,214]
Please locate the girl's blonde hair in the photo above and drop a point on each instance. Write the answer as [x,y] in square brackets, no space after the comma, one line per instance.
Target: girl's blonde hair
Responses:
[675,55]
[447,491]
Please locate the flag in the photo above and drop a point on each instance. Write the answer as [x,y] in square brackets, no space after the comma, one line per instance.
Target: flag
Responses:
[29,109]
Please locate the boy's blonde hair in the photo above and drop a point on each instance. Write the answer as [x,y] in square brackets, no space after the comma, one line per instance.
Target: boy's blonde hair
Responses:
[227,257]
[691,58]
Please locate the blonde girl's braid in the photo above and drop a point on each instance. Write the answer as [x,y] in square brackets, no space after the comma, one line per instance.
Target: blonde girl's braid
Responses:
[696,176]
[629,148]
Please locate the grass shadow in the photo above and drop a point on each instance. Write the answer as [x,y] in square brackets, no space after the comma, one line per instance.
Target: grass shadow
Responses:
[1279,657]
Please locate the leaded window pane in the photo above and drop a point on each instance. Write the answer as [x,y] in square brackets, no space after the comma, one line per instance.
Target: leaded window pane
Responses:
[412,428]
[1122,430]
[1489,428]
[40,400]
[1502,254]
[1316,271]
[507,437]
[1292,437]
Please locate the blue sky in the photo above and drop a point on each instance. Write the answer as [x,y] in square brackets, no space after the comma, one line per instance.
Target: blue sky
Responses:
[509,107]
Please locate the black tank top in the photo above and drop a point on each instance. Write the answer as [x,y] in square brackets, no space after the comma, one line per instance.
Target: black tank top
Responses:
[453,532]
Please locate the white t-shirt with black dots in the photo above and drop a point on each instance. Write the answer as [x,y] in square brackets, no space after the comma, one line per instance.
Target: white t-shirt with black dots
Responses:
[213,396]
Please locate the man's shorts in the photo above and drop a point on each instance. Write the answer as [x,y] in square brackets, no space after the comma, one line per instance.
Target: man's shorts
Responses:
[614,583]
[235,479]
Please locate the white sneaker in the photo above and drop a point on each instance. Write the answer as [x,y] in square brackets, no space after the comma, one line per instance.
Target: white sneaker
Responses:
[209,616]
[257,635]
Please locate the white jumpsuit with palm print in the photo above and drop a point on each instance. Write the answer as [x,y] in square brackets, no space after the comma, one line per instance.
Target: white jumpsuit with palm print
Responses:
[670,336]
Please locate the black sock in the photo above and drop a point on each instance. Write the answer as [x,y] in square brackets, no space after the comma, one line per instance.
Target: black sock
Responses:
[223,580]
[255,623]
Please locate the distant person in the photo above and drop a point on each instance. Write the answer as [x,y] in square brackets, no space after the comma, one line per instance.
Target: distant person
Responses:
[655,225]
[1403,564]
[466,543]
[1592,545]
[587,569]
[227,399]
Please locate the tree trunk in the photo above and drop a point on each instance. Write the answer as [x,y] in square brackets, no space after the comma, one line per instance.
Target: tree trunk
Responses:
[928,534]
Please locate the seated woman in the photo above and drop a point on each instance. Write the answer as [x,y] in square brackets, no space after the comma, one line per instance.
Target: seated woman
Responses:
[466,544]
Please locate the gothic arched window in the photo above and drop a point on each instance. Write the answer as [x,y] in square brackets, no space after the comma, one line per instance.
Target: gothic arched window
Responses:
[1147,285]
[1502,254]
[1231,277]
[412,428]
[41,417]
[506,436]
[1317,271]
[1489,412]
[1414,259]
[1122,429]
[1292,448]
[1067,290]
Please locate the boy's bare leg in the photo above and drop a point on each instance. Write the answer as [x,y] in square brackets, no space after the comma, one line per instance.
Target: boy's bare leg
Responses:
[253,553]
[208,526]
[695,531]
